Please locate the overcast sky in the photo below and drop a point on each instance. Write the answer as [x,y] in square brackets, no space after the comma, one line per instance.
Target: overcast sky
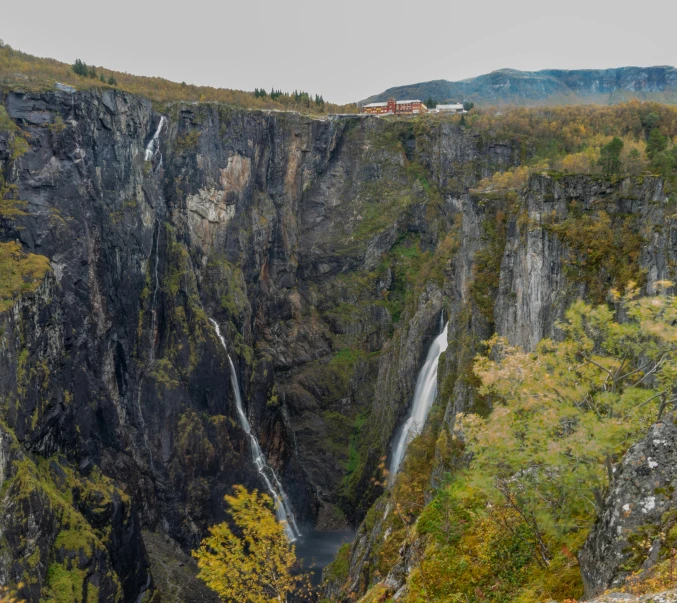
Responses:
[345,50]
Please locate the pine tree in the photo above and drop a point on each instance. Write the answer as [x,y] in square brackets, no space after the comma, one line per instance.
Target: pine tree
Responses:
[657,143]
[80,68]
[610,157]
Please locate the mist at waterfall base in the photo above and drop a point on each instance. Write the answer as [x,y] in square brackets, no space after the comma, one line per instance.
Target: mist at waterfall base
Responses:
[317,550]
[425,393]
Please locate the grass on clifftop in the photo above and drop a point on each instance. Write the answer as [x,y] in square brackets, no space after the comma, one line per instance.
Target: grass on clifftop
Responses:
[19,70]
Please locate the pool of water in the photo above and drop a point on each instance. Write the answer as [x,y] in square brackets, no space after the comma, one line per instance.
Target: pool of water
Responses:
[317,549]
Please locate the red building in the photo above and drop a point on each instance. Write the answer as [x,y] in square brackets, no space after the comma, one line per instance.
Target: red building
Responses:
[393,107]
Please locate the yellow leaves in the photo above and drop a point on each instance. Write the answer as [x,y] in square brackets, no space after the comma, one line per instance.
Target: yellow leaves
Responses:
[254,564]
[9,596]
[633,157]
[20,272]
[503,378]
[584,162]
[9,207]
[562,414]
[510,180]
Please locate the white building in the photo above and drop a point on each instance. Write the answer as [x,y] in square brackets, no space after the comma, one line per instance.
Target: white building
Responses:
[455,108]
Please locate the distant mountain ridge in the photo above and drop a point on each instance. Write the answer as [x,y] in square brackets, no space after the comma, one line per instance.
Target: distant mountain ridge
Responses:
[549,86]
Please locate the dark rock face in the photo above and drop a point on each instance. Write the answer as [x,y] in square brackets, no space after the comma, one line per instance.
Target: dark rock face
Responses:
[64,533]
[555,86]
[284,229]
[632,532]
[326,250]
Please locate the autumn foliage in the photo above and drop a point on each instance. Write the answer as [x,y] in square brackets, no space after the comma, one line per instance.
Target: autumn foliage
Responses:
[509,525]
[250,560]
[622,140]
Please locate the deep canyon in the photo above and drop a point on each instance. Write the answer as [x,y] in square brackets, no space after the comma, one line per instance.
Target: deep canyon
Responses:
[324,250]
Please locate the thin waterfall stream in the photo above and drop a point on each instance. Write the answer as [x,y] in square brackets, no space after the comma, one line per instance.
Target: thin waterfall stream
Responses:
[425,392]
[283,509]
[154,143]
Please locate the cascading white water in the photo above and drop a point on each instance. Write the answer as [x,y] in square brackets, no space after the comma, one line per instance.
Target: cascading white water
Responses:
[283,509]
[154,144]
[425,392]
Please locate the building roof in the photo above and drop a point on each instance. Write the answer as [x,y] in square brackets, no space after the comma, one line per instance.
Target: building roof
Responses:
[454,106]
[402,102]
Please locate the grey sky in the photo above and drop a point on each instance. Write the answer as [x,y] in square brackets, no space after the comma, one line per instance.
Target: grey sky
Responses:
[344,50]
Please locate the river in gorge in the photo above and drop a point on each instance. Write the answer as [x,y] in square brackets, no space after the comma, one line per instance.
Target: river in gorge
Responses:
[317,549]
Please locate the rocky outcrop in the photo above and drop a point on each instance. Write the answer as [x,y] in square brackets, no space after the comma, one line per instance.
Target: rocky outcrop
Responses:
[667,596]
[67,534]
[636,526]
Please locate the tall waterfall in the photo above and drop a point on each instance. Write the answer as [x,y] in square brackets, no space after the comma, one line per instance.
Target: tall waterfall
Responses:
[283,510]
[154,143]
[425,392]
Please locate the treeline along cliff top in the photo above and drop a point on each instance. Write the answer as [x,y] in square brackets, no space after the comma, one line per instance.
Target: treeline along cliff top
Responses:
[19,70]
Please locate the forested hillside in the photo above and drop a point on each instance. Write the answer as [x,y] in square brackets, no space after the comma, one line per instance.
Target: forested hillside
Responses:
[22,71]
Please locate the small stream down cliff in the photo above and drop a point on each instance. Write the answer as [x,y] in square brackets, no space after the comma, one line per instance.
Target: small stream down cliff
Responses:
[153,145]
[283,509]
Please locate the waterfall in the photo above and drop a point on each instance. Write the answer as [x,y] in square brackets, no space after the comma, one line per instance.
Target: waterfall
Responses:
[283,509]
[154,144]
[425,392]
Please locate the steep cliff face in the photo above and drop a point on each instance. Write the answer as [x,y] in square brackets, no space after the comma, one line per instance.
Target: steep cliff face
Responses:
[326,251]
[302,238]
[520,261]
[636,529]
